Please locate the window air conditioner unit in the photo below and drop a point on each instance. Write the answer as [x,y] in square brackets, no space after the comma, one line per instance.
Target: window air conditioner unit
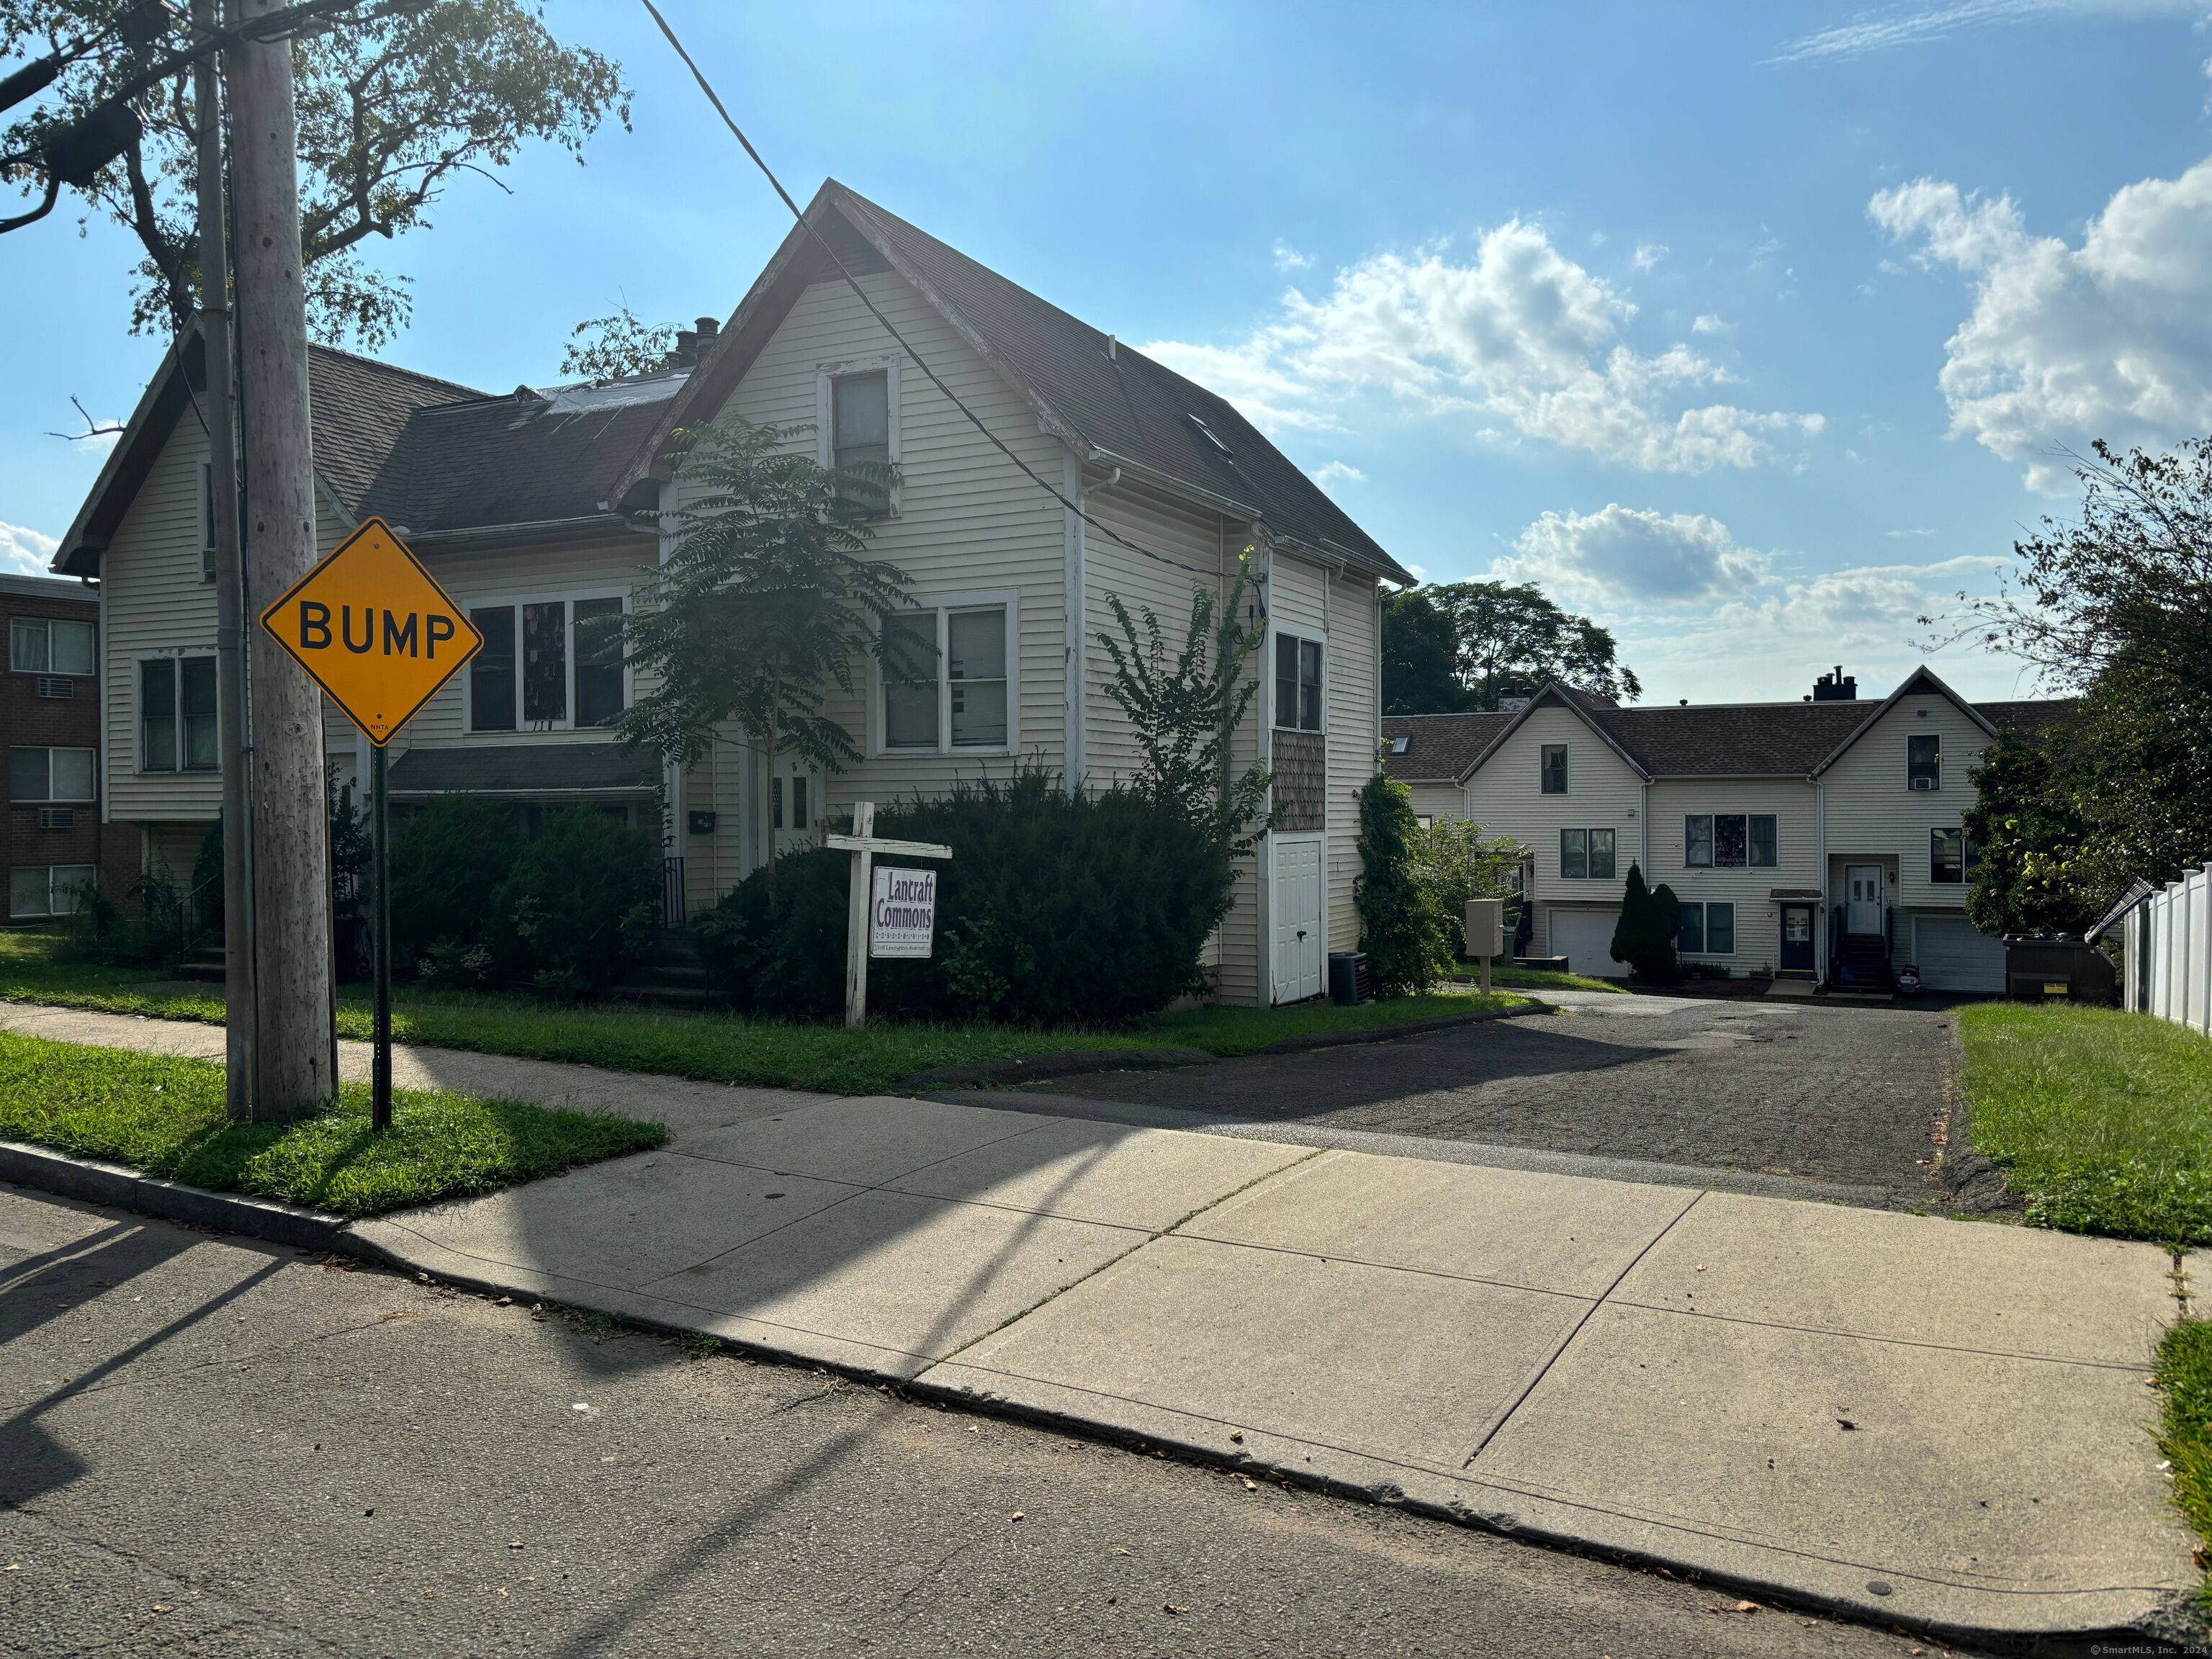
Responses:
[1923,783]
[56,817]
[56,685]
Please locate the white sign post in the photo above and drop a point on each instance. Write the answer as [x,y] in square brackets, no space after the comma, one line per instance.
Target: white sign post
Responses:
[864,844]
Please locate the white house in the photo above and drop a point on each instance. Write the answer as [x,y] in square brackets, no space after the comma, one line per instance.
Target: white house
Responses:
[538,509]
[1819,839]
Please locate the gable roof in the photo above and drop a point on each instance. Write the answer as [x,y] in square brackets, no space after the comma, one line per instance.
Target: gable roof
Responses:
[532,457]
[358,408]
[1119,409]
[1754,740]
[1439,748]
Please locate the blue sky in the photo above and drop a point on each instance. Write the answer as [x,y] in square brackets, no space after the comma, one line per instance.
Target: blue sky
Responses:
[1751,330]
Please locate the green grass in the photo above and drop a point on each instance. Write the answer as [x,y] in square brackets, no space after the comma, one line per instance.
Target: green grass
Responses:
[2185,1376]
[165,1116]
[712,1048]
[1541,979]
[2102,1120]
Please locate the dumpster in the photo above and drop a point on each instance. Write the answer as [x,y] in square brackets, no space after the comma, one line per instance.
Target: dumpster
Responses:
[2041,967]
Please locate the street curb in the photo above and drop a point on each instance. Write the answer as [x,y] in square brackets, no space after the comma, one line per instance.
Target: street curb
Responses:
[1078,1062]
[98,1182]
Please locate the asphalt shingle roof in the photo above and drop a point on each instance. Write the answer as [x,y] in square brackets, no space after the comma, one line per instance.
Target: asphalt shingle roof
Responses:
[1439,747]
[1128,406]
[358,408]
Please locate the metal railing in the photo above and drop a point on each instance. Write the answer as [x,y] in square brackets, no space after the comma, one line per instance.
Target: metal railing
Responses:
[671,892]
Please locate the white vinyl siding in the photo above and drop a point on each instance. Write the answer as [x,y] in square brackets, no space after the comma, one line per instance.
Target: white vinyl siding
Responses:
[1354,712]
[1439,802]
[1873,815]
[1749,887]
[1502,796]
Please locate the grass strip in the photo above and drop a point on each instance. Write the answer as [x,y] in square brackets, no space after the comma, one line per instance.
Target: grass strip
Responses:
[2185,1378]
[2101,1119]
[165,1116]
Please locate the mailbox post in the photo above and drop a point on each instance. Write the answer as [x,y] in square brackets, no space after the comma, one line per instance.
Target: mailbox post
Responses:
[1486,933]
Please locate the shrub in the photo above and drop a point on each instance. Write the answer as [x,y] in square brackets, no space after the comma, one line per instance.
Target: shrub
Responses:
[1055,909]
[578,904]
[147,930]
[447,861]
[1410,943]
[1644,937]
[1456,864]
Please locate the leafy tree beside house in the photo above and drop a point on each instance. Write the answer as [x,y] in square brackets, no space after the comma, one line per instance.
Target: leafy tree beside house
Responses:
[2027,839]
[1403,928]
[1462,646]
[766,603]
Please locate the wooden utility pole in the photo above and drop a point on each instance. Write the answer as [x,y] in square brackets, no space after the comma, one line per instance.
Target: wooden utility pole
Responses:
[295,1060]
[219,408]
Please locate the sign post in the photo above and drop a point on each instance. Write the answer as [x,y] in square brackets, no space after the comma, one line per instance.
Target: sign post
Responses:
[368,623]
[909,916]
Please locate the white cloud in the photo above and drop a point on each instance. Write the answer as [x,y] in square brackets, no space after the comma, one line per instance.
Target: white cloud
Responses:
[1623,556]
[1904,26]
[1521,333]
[1707,323]
[1289,259]
[24,551]
[2068,344]
[1338,472]
[1648,254]
[1901,535]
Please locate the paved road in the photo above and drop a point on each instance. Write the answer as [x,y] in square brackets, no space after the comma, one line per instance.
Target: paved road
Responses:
[1839,1093]
[211,1448]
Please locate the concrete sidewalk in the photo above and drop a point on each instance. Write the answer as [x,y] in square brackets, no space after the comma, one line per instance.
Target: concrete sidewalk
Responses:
[1945,1424]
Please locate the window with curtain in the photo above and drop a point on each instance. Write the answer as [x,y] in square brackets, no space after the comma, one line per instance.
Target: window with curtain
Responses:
[1924,763]
[545,662]
[1698,841]
[1763,852]
[177,727]
[51,775]
[41,645]
[1551,769]
[1947,857]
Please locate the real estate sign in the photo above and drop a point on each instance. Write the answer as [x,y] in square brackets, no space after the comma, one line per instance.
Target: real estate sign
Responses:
[902,912]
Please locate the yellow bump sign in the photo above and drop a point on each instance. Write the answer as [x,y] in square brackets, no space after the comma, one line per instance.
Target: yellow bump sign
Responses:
[372,628]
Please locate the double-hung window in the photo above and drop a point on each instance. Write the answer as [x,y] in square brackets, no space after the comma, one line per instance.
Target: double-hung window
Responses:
[1947,857]
[1728,840]
[946,684]
[51,775]
[1924,763]
[46,889]
[856,418]
[1551,769]
[1297,682]
[177,714]
[1586,854]
[42,645]
[1708,929]
[548,665]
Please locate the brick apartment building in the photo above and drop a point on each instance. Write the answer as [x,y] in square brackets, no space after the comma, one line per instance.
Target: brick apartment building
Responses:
[50,720]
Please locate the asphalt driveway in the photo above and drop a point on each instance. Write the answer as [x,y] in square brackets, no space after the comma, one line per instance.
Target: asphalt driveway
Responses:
[1852,1094]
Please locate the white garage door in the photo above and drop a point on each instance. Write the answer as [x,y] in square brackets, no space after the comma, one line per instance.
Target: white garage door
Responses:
[1584,937]
[1952,956]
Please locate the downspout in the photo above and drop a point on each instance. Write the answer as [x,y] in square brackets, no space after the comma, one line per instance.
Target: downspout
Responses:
[672,773]
[1265,739]
[1820,874]
[1075,610]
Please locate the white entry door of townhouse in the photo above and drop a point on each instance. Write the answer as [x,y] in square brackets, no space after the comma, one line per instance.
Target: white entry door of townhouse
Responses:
[1301,940]
[1866,895]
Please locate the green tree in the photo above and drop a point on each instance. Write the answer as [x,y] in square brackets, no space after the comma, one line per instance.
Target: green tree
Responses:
[1401,928]
[609,348]
[765,603]
[1184,713]
[2116,609]
[1504,640]
[1645,936]
[395,101]
[2027,840]
[1420,657]
[1457,862]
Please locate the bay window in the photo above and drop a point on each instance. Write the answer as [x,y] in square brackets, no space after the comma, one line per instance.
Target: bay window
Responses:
[946,677]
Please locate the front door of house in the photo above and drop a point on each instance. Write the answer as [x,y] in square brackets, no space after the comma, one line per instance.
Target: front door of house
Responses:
[1866,895]
[1296,904]
[1796,939]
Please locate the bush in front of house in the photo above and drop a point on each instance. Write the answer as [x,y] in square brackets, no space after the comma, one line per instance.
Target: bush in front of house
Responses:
[1055,909]
[447,861]
[1644,937]
[1411,944]
[579,905]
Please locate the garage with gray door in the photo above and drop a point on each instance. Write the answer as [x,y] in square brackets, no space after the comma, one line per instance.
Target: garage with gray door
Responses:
[1952,956]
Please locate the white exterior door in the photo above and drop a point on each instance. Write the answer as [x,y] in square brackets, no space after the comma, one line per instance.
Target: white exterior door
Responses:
[1584,937]
[1300,940]
[1866,895]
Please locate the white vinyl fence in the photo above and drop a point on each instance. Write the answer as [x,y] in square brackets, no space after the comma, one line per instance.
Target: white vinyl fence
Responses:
[2170,953]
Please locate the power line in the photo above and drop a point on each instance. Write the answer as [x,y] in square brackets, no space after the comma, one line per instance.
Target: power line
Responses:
[851,282]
